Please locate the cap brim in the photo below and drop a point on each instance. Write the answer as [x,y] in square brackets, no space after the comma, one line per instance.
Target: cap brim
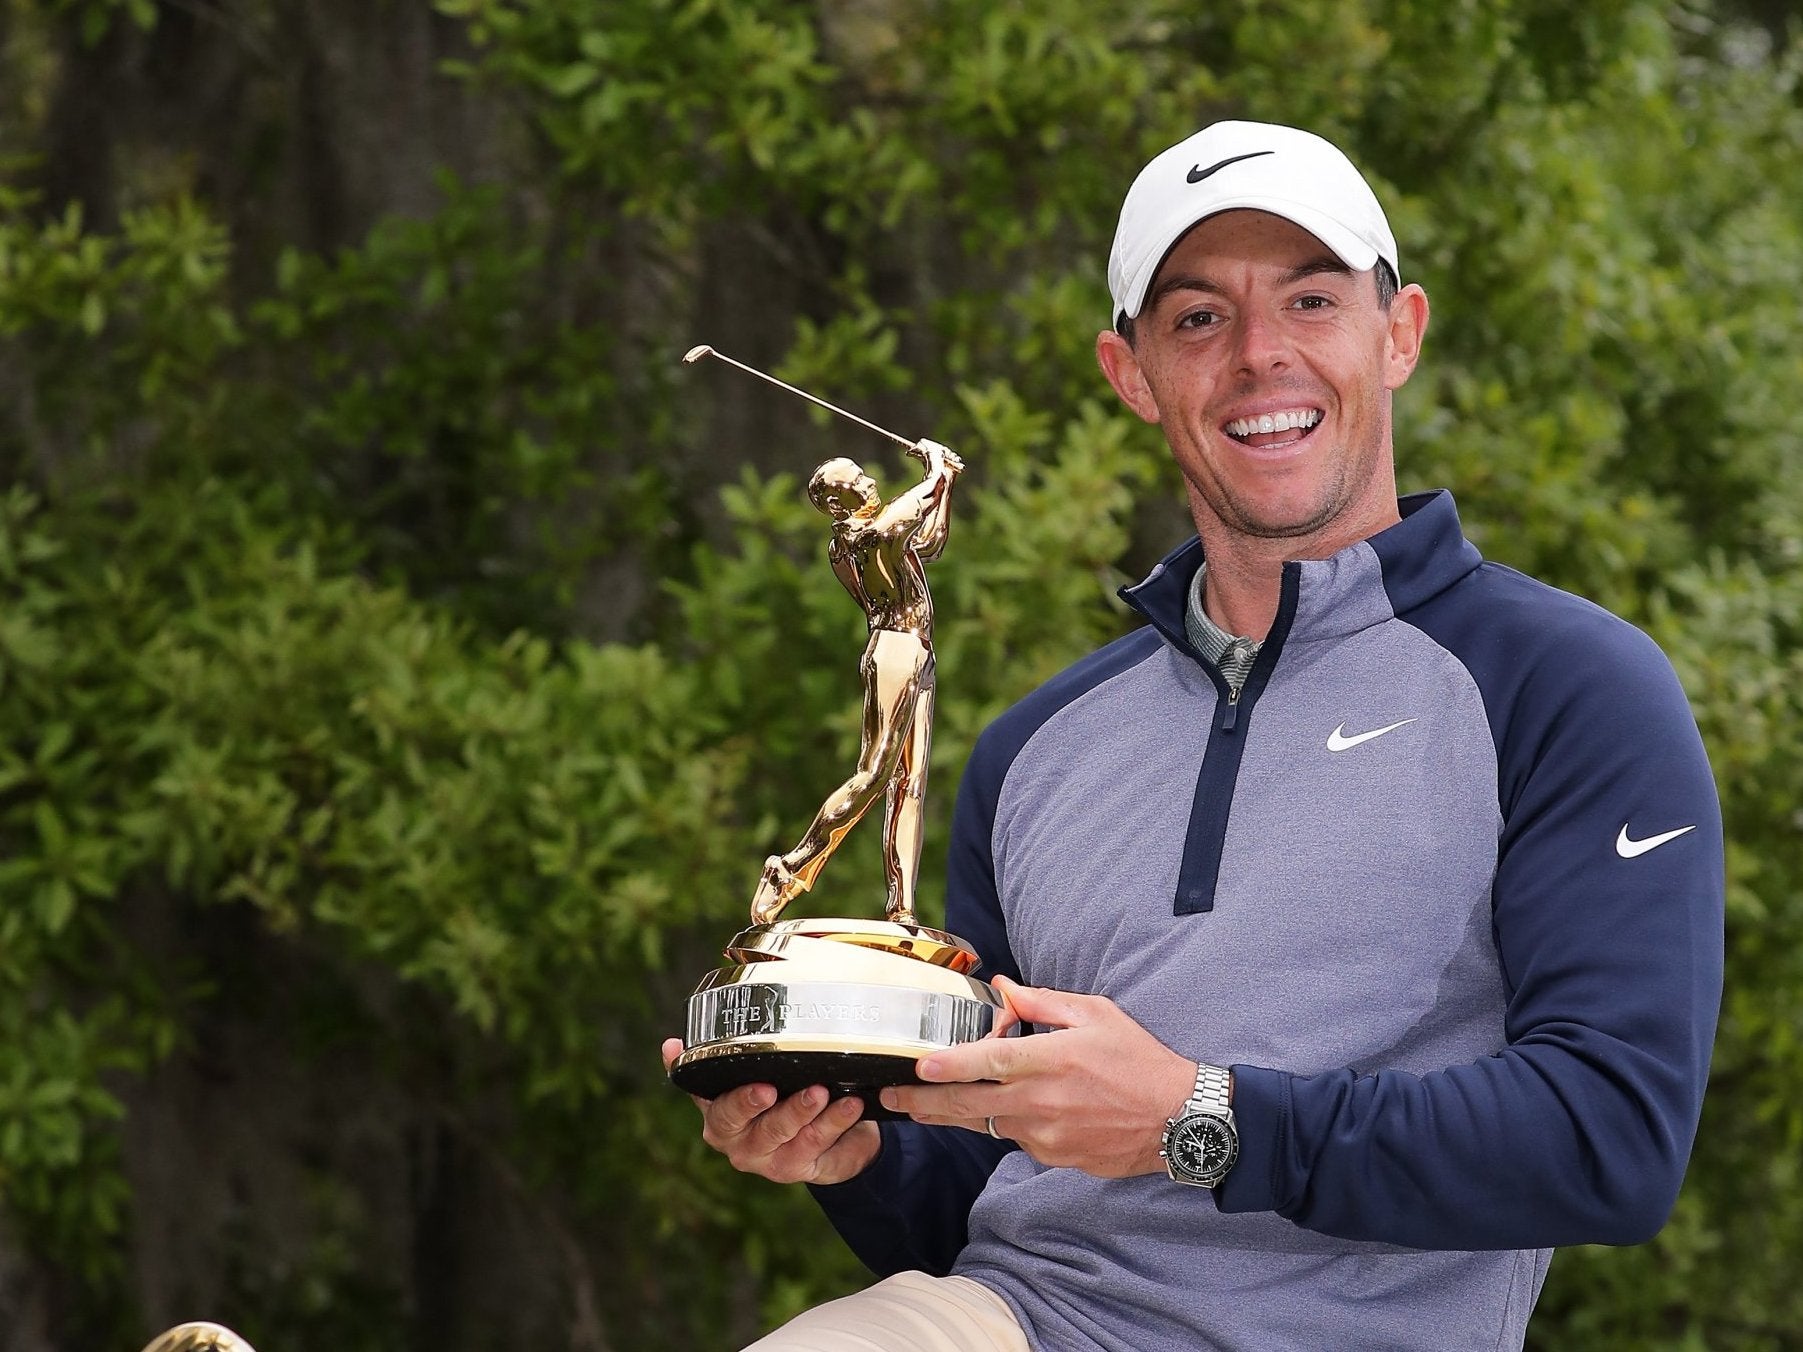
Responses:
[1354,251]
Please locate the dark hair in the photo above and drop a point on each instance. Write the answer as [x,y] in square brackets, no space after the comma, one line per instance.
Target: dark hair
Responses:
[1387,287]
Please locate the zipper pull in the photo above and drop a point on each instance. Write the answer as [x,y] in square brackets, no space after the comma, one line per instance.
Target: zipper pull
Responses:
[1230,714]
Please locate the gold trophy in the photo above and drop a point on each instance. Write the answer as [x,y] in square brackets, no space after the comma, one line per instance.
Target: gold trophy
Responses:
[198,1338]
[852,1004]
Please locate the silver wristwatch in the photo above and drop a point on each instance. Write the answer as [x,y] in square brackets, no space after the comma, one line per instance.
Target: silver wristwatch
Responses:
[1201,1142]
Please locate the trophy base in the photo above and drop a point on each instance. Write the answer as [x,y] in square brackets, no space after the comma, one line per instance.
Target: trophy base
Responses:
[851,1005]
[846,1074]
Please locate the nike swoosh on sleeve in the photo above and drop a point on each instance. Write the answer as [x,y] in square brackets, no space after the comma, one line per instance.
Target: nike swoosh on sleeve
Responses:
[1629,848]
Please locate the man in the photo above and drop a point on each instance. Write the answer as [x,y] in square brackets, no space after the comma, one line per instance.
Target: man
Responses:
[877,553]
[1372,887]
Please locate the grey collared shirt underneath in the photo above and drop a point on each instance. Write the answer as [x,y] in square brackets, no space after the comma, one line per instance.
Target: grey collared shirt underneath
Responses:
[1232,654]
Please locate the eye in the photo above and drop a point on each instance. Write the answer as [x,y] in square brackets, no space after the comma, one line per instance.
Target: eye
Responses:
[1314,302]
[1198,319]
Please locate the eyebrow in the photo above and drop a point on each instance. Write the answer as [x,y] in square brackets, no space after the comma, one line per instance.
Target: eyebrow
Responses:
[1325,265]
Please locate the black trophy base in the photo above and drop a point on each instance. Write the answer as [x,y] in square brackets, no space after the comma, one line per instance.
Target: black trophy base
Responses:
[859,1075]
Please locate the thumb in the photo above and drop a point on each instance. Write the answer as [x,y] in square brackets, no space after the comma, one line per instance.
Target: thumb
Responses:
[1048,1008]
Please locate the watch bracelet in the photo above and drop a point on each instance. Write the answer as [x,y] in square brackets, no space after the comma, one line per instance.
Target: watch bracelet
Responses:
[1213,1092]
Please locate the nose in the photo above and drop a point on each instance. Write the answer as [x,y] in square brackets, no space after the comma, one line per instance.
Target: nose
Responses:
[1260,346]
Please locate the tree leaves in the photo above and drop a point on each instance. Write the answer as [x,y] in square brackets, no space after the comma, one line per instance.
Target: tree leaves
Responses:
[414,604]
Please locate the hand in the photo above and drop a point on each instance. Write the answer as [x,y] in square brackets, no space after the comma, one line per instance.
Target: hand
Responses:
[802,1139]
[777,887]
[934,456]
[1092,1094]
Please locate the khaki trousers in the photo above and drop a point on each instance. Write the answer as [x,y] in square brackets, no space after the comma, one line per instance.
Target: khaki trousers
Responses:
[909,1312]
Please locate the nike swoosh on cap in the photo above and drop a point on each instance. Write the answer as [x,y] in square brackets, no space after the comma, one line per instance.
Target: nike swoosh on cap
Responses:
[1338,741]
[1197,173]
[1629,848]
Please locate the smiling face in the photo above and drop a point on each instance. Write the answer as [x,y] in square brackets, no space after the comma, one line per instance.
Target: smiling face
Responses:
[1269,366]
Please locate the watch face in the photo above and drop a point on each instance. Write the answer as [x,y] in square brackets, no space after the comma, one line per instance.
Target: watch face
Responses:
[1203,1147]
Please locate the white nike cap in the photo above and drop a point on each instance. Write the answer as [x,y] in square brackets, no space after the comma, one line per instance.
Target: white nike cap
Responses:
[1255,165]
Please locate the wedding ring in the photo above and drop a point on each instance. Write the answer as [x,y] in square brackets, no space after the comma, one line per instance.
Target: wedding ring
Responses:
[989,1122]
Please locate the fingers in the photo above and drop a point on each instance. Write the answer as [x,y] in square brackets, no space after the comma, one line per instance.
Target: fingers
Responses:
[826,1143]
[962,1086]
[985,1059]
[751,1123]
[739,1119]
[1093,1093]
[950,1105]
[1005,1023]
[854,1149]
[731,1115]
[1008,1020]
[757,1131]
[1050,1008]
[805,1138]
[931,452]
[997,1057]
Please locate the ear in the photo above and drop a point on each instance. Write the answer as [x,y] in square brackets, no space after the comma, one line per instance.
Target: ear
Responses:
[1408,326]
[1121,366]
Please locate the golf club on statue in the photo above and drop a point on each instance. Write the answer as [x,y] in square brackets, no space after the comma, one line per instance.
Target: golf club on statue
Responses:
[695,354]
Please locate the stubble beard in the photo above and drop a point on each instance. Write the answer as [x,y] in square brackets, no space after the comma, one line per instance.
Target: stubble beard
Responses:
[1328,512]
[1249,519]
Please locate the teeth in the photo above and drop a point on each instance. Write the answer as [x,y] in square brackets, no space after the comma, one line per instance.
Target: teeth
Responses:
[1274,422]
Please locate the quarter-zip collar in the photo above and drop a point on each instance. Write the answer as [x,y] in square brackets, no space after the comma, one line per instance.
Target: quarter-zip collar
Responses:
[1233,654]
[1364,584]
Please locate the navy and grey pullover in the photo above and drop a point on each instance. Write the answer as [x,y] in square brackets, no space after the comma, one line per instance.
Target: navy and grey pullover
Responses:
[1444,885]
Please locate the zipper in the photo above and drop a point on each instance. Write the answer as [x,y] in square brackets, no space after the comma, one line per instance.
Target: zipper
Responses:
[1235,656]
[1206,833]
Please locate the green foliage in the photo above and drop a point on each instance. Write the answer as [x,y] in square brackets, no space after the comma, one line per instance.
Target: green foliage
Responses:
[299,576]
[93,18]
[115,338]
[451,395]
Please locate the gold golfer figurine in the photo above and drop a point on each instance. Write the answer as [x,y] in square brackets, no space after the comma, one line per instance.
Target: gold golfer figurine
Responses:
[199,1338]
[852,1004]
[878,552]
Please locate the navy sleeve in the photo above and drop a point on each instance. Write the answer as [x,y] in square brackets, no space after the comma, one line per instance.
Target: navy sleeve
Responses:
[1607,907]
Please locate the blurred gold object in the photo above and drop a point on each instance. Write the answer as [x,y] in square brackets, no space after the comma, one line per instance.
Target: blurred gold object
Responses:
[198,1338]
[853,1004]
